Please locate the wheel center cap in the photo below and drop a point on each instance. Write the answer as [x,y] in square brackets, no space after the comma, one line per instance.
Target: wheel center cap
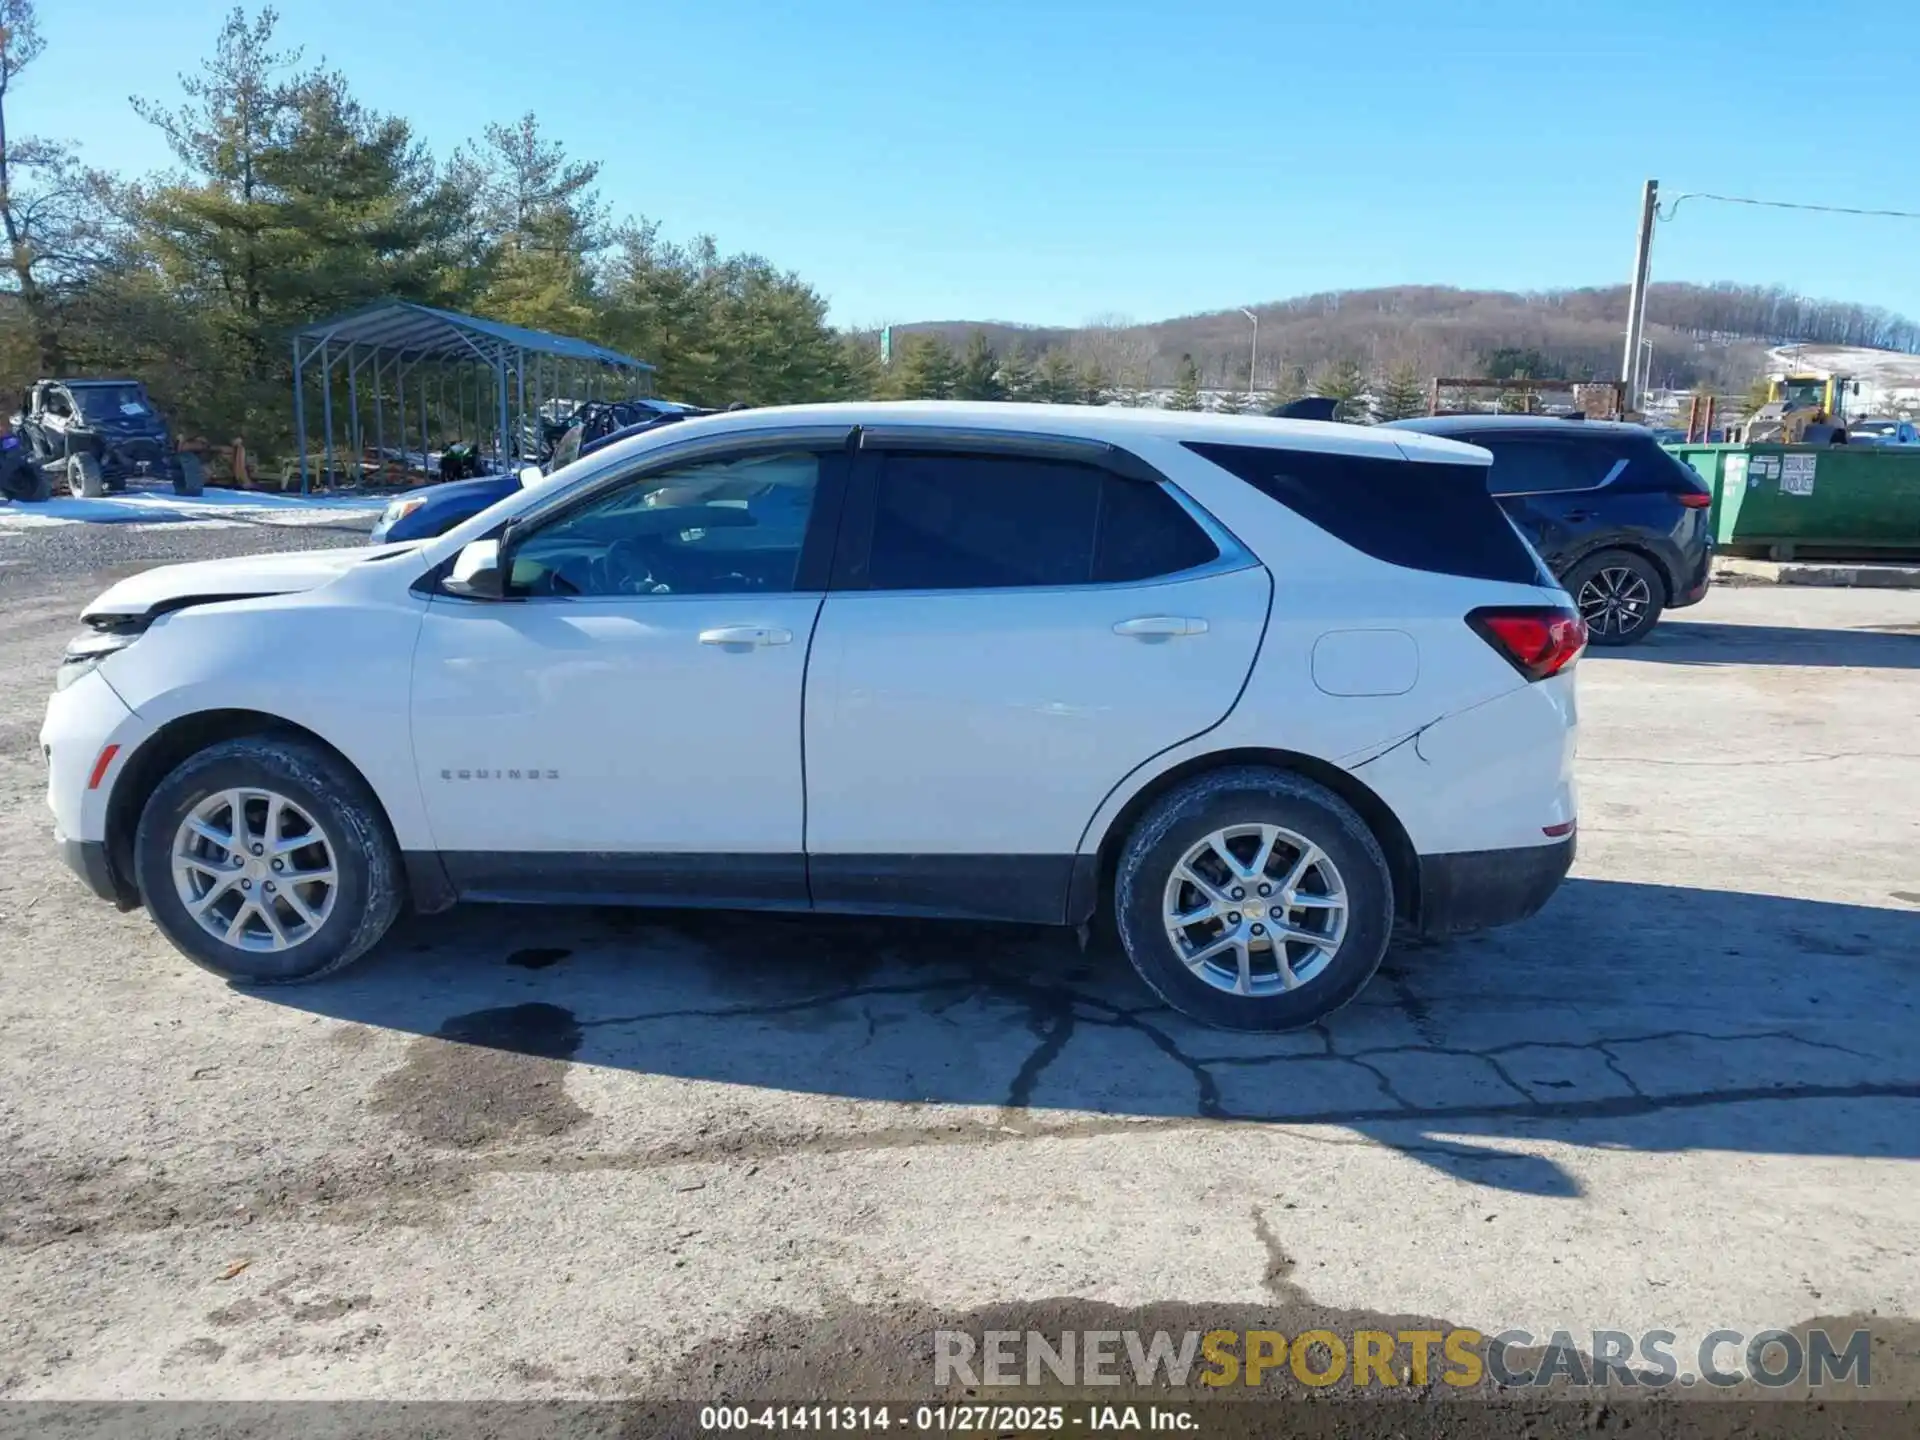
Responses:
[1254,909]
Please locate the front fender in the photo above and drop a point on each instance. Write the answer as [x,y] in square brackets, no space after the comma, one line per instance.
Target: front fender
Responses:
[342,672]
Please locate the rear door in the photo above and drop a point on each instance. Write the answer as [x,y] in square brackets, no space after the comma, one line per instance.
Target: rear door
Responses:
[1553,489]
[1008,635]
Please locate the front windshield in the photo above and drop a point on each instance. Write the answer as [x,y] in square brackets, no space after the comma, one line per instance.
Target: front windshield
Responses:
[111,402]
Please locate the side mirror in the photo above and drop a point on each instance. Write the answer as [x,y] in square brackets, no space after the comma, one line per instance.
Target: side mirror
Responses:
[531,475]
[477,574]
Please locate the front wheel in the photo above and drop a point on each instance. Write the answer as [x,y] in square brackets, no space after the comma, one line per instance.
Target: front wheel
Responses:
[1619,594]
[1254,899]
[267,861]
[27,481]
[84,476]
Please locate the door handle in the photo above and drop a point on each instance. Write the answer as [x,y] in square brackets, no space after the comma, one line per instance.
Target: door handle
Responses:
[746,636]
[1161,627]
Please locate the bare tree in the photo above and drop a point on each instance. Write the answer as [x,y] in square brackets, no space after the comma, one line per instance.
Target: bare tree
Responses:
[1115,347]
[54,212]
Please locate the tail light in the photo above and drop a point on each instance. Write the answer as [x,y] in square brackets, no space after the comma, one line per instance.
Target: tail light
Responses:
[1537,640]
[1694,499]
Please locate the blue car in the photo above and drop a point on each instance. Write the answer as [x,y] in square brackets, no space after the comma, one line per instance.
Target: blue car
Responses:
[439,508]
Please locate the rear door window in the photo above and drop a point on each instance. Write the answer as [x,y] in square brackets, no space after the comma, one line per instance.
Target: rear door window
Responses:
[1420,514]
[980,522]
[1543,467]
[1145,533]
[955,521]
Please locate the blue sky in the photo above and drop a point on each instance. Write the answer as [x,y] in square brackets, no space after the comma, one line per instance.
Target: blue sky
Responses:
[1056,160]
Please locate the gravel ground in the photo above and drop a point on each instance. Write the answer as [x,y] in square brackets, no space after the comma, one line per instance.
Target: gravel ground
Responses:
[525,1155]
[50,555]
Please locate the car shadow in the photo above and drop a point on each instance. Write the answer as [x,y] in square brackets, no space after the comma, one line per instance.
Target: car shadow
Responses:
[1647,1017]
[1698,642]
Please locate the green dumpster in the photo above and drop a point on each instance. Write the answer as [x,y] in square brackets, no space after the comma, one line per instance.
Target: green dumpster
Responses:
[1834,501]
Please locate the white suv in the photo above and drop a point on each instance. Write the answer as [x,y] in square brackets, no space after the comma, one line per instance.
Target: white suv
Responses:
[1252,690]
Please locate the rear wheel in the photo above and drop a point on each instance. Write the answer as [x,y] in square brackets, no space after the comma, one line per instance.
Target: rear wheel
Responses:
[1254,899]
[84,477]
[267,861]
[1619,594]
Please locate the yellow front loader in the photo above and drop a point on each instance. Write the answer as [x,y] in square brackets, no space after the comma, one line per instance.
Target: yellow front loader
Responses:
[1802,410]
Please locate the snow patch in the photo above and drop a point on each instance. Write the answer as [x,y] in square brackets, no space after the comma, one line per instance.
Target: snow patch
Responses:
[214,509]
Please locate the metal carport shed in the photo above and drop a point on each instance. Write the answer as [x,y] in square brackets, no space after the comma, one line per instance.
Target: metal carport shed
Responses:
[386,347]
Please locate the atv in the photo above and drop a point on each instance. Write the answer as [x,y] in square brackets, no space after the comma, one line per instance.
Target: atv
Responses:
[93,436]
[548,438]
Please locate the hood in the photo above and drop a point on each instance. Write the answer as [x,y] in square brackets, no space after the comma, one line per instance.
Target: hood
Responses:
[172,587]
[486,486]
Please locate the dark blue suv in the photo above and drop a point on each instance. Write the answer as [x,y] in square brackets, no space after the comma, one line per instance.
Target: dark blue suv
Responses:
[1622,524]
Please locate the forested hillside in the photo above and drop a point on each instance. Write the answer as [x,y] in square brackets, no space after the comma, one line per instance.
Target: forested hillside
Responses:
[1714,335]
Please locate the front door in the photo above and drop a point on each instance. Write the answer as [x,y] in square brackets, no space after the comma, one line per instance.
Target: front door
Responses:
[626,726]
[1015,635]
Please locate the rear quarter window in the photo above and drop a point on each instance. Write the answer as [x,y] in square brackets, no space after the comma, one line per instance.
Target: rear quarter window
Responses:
[1425,516]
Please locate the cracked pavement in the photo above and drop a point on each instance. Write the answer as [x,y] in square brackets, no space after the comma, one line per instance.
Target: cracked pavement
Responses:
[593,1153]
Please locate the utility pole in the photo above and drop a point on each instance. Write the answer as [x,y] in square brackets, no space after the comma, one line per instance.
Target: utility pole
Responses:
[1253,355]
[1637,297]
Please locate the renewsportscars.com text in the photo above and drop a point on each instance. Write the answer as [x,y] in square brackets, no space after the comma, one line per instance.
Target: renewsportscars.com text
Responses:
[1406,1358]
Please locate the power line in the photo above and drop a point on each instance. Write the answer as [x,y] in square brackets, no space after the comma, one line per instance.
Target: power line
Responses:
[1666,212]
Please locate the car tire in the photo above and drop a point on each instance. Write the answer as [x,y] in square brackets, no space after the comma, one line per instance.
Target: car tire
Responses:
[1301,815]
[1619,594]
[33,485]
[84,477]
[289,789]
[191,476]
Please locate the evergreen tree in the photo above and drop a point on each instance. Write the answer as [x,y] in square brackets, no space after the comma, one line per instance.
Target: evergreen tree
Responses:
[216,232]
[1401,394]
[545,222]
[363,211]
[1230,402]
[923,369]
[1344,382]
[292,202]
[724,328]
[1017,379]
[1186,386]
[978,373]
[1096,386]
[859,366]
[1057,382]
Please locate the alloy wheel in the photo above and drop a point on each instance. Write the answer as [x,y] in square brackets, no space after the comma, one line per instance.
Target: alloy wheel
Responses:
[1615,601]
[1255,909]
[255,870]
